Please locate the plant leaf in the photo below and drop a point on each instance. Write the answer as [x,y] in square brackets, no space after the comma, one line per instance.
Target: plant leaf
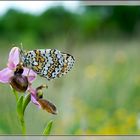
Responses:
[26,101]
[19,107]
[20,112]
[47,129]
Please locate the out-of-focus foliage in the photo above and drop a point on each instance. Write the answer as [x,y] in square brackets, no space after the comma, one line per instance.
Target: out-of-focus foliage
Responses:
[53,22]
[57,21]
[125,17]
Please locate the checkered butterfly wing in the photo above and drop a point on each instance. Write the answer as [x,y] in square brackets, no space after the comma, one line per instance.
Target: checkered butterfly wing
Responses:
[48,63]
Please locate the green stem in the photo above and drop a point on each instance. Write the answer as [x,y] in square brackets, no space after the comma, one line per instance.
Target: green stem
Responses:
[23,126]
[22,103]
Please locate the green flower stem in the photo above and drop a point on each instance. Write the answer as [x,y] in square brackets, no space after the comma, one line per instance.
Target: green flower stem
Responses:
[23,126]
[22,103]
[25,102]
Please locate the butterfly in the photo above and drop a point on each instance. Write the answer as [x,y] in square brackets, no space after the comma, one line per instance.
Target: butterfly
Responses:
[48,63]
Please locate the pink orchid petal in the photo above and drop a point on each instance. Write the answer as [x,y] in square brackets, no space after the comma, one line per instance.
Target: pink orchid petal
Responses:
[5,75]
[32,75]
[33,97]
[13,59]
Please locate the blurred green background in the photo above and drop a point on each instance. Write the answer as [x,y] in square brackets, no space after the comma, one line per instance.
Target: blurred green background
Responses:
[101,94]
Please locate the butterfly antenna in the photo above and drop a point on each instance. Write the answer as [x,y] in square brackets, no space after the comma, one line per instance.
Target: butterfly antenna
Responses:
[21,50]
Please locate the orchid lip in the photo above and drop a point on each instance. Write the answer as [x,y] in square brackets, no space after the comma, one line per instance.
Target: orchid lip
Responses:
[19,83]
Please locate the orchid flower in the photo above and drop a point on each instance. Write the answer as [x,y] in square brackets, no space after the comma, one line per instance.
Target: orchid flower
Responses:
[37,99]
[21,78]
[7,73]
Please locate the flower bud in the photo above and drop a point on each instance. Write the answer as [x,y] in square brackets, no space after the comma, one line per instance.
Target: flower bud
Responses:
[39,91]
[19,82]
[39,94]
